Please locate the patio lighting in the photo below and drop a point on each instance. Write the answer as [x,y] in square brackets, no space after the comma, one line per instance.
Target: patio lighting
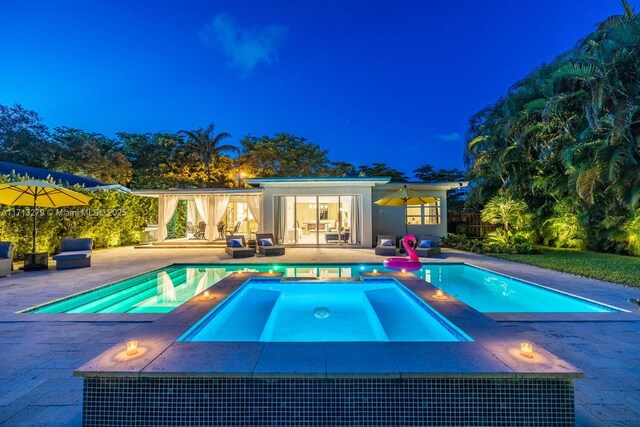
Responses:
[526,349]
[132,347]
[375,271]
[206,295]
[403,271]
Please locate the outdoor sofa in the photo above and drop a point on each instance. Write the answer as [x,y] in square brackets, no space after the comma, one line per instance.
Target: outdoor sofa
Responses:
[428,246]
[265,243]
[386,245]
[237,247]
[74,253]
[6,258]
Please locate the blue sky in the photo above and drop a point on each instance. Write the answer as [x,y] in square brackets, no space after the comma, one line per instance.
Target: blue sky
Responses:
[392,82]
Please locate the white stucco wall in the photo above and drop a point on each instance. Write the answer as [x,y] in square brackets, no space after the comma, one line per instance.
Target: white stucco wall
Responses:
[320,189]
[390,219]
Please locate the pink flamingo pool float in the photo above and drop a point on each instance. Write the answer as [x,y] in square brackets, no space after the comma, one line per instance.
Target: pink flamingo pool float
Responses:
[409,264]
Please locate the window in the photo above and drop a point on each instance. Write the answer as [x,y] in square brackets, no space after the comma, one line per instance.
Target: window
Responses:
[424,214]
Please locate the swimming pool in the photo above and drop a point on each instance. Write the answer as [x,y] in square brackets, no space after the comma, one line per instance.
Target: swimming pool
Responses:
[163,290]
[269,311]
[490,292]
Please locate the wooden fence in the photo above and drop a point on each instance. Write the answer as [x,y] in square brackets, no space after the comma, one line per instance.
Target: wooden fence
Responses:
[468,223]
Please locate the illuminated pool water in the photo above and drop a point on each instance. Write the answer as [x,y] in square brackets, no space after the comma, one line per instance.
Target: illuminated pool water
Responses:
[161,291]
[269,311]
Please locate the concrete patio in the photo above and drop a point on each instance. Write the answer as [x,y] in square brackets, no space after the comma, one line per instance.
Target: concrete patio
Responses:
[39,355]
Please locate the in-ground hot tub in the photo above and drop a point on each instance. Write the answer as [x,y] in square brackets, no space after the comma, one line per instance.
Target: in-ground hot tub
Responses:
[449,380]
[381,310]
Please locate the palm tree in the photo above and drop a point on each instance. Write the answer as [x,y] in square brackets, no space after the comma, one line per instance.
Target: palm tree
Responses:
[203,143]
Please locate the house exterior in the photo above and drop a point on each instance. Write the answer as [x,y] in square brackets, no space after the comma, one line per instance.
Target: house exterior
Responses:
[313,211]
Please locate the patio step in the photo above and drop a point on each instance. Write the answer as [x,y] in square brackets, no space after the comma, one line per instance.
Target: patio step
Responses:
[197,244]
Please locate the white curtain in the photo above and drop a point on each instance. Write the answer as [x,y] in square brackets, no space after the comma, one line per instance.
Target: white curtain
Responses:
[192,212]
[166,208]
[220,207]
[254,205]
[202,205]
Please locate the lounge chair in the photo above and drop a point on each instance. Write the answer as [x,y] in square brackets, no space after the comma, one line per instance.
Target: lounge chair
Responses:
[74,253]
[6,258]
[386,245]
[239,249]
[268,249]
[428,246]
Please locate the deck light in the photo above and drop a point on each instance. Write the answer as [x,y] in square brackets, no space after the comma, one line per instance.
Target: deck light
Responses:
[403,271]
[270,271]
[439,294]
[375,271]
[132,347]
[526,349]
[206,295]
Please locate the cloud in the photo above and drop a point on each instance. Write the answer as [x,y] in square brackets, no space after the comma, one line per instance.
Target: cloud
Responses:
[449,137]
[244,48]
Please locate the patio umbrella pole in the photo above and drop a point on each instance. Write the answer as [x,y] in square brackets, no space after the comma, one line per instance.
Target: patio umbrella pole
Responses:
[34,222]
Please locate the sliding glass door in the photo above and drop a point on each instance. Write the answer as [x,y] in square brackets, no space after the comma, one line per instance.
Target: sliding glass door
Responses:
[317,220]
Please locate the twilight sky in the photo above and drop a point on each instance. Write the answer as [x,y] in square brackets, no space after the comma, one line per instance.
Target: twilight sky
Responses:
[392,82]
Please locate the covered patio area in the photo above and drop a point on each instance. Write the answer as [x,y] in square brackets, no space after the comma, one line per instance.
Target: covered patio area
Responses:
[211,214]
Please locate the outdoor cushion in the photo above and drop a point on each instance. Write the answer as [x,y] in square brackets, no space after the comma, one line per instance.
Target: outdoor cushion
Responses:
[5,249]
[266,242]
[236,243]
[81,244]
[425,244]
[73,255]
[385,242]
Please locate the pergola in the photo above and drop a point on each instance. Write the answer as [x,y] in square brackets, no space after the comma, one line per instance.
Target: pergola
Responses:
[208,205]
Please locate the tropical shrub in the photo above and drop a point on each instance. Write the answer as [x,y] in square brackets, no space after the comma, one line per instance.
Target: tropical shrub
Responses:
[462,242]
[512,218]
[632,229]
[112,218]
[569,131]
[564,228]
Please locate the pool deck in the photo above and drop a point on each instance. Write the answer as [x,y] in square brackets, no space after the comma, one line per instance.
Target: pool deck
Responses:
[40,352]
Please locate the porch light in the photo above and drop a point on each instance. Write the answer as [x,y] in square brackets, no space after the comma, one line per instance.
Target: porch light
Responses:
[526,349]
[132,347]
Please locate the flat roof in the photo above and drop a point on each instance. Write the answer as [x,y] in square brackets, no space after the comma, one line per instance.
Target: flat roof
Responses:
[319,179]
[450,185]
[197,191]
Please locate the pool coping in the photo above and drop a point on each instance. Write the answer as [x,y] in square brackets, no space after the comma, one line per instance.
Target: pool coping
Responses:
[495,351]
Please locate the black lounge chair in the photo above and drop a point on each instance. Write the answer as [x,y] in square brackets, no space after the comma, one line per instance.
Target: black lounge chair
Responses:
[386,250]
[269,250]
[238,251]
[433,250]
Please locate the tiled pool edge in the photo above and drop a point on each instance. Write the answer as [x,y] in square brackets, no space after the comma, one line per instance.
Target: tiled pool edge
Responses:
[492,361]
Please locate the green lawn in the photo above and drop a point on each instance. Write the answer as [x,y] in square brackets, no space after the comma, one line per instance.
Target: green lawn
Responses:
[608,267]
